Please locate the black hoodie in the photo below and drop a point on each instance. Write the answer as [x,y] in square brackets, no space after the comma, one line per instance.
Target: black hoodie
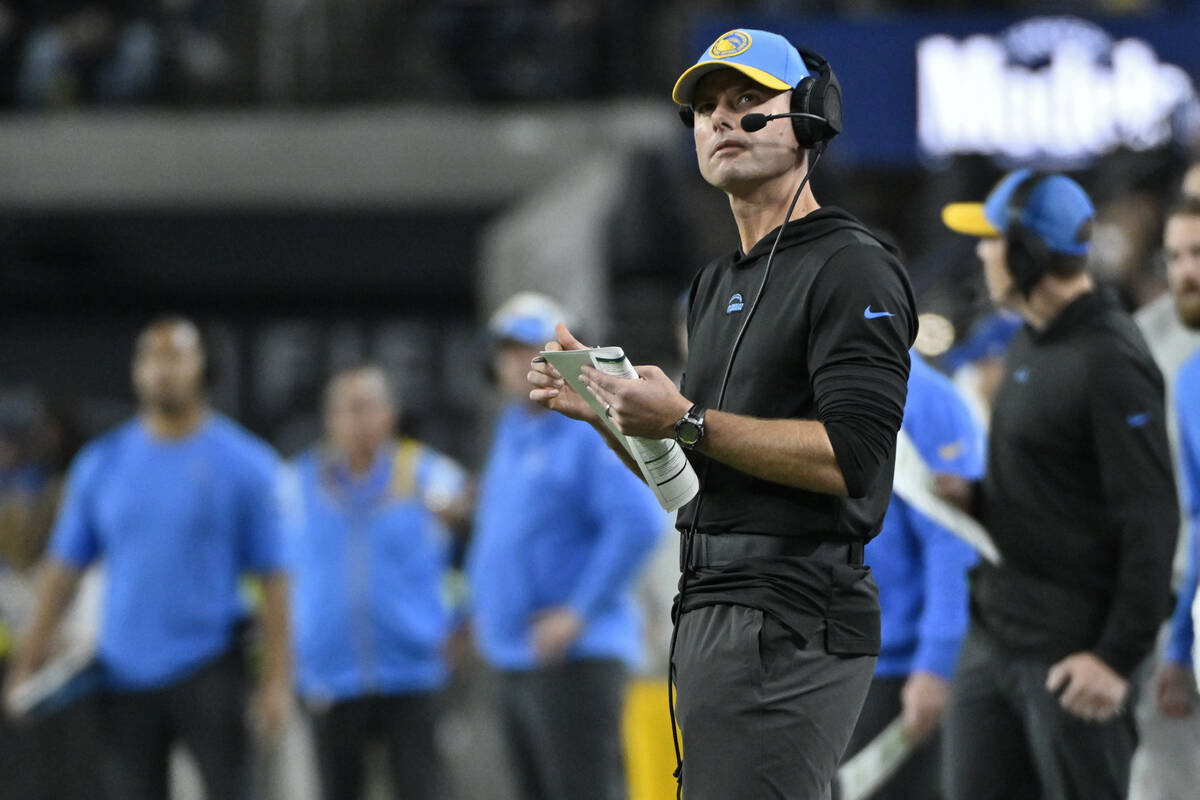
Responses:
[828,341]
[1079,493]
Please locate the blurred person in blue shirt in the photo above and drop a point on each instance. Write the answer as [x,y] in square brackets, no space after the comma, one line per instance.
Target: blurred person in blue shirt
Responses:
[561,531]
[177,504]
[921,568]
[1174,681]
[369,552]
[29,487]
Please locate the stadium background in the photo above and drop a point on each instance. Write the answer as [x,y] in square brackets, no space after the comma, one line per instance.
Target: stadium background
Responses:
[316,181]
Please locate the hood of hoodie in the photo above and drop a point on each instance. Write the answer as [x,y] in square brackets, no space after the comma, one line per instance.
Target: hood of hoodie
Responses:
[814,225]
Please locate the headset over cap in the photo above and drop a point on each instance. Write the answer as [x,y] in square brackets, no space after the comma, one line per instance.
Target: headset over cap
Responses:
[772,61]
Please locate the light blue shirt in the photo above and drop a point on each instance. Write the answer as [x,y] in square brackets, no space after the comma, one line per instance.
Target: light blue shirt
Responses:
[175,522]
[1181,634]
[370,560]
[560,522]
[920,567]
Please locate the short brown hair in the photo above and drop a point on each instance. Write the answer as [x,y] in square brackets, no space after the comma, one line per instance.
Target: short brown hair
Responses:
[363,368]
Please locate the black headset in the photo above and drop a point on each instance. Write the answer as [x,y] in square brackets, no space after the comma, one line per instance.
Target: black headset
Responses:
[1028,257]
[820,96]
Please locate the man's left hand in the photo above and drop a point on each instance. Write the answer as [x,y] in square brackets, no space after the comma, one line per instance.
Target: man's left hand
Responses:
[1174,689]
[1091,689]
[271,708]
[554,631]
[924,699]
[647,406]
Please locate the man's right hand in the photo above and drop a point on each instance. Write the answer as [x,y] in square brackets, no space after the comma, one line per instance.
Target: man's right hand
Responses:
[924,699]
[1174,689]
[956,490]
[16,675]
[56,585]
[1089,688]
[548,387]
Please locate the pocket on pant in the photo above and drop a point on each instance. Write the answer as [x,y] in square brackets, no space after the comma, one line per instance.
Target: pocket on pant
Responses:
[718,665]
[750,642]
[777,643]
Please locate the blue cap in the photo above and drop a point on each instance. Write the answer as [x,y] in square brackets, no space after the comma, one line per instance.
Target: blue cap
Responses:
[528,318]
[766,58]
[1056,210]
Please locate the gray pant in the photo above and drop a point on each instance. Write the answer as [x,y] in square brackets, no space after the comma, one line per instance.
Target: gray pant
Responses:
[1005,736]
[562,725]
[763,713]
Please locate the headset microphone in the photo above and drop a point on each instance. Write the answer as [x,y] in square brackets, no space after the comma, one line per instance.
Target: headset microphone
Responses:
[756,122]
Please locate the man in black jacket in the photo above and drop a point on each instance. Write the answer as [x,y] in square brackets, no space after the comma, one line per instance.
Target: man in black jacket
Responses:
[793,394]
[1080,499]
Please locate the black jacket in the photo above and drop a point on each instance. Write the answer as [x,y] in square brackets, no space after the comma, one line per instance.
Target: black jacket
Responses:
[829,341]
[1079,492]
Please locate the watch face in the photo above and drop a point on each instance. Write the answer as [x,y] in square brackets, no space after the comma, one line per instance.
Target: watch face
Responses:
[688,432]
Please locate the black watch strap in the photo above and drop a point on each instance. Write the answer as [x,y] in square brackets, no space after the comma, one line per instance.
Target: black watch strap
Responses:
[689,429]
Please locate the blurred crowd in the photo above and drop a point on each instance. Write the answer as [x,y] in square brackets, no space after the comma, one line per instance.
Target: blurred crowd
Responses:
[37,442]
[70,53]
[362,553]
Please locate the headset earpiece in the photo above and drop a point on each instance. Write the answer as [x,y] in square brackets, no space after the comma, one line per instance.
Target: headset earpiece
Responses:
[1026,253]
[822,96]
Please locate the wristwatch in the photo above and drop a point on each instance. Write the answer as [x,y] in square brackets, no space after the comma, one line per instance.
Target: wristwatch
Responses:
[689,429]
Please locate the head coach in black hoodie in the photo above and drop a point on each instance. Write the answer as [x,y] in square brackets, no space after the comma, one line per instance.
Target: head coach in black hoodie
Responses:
[793,393]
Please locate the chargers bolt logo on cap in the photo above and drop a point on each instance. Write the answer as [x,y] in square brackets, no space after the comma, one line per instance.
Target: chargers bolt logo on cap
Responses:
[731,44]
